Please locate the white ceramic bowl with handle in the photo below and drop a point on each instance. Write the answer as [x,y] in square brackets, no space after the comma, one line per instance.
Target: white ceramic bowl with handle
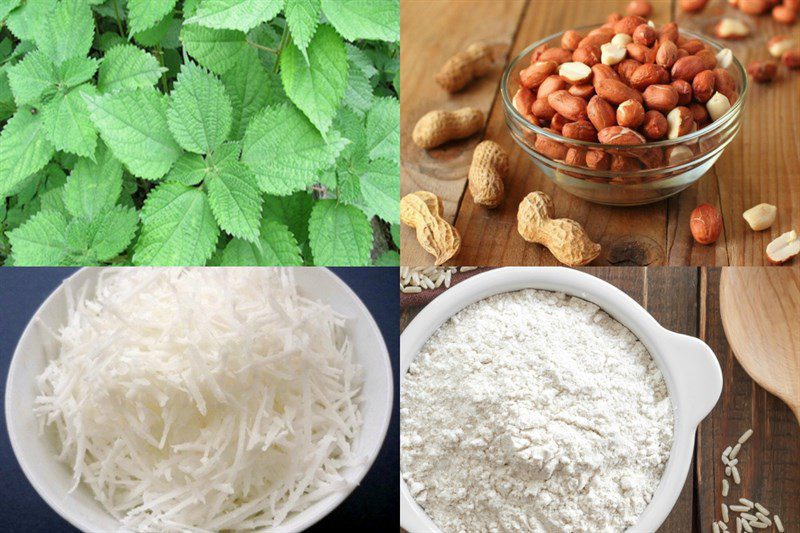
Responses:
[690,368]
[52,479]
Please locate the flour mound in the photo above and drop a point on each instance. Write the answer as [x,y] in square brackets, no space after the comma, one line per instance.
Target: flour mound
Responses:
[534,411]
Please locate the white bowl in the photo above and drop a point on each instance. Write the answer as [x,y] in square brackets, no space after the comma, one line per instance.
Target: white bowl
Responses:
[691,371]
[52,479]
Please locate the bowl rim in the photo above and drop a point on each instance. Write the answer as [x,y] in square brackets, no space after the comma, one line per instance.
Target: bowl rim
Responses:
[709,128]
[301,522]
[691,370]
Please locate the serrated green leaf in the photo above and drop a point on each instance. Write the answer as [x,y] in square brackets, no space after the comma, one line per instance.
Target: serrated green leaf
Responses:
[285,150]
[33,77]
[389,258]
[217,50]
[165,34]
[276,247]
[53,200]
[250,89]
[41,241]
[24,21]
[358,57]
[76,71]
[189,169]
[357,19]
[292,211]
[133,123]
[302,17]
[317,86]
[93,186]
[199,113]
[67,32]
[144,14]
[359,95]
[6,6]
[383,129]
[67,123]
[24,149]
[128,67]
[104,236]
[340,234]
[178,227]
[380,186]
[240,15]
[235,200]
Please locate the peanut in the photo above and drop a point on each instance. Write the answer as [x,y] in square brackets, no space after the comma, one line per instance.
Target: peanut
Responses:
[422,211]
[462,68]
[565,238]
[761,216]
[437,127]
[783,248]
[489,168]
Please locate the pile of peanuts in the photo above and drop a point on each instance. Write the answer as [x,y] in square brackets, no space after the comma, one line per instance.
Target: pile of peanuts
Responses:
[625,83]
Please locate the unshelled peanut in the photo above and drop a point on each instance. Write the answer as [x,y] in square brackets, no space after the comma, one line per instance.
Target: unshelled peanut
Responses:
[565,238]
[462,68]
[423,211]
[437,127]
[486,174]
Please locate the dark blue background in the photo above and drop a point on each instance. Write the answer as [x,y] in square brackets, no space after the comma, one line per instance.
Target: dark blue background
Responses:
[373,504]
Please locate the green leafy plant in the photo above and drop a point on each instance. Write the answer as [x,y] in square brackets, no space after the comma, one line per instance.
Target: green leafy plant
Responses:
[221,132]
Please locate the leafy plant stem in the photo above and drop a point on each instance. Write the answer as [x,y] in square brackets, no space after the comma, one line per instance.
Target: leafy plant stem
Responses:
[119,20]
[284,40]
[262,47]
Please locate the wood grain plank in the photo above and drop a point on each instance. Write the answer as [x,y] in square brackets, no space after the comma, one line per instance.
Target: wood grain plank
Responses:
[769,461]
[430,33]
[760,165]
[629,236]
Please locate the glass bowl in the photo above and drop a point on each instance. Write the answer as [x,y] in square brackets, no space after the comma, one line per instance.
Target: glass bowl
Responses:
[657,170]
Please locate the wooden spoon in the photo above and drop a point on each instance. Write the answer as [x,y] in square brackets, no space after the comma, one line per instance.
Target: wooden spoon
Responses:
[761,316]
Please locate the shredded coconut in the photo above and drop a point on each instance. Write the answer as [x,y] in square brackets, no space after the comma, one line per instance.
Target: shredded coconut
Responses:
[202,399]
[534,411]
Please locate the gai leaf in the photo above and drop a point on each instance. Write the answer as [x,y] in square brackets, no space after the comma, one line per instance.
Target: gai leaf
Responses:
[316,86]
[32,78]
[93,186]
[217,50]
[67,122]
[24,148]
[134,125]
[357,19]
[381,189]
[383,129]
[284,150]
[241,15]
[340,234]
[128,67]
[199,114]
[67,32]
[302,17]
[40,241]
[178,227]
[276,247]
[144,14]
[236,201]
[102,237]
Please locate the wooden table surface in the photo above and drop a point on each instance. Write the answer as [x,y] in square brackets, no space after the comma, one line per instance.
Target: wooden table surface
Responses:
[761,165]
[686,300]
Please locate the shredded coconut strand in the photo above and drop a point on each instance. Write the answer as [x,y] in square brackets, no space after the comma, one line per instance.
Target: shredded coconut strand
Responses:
[203,399]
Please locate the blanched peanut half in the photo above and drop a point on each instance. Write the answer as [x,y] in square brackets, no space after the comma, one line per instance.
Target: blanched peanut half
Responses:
[611,54]
[783,248]
[574,72]
[622,39]
[724,58]
[761,216]
[718,105]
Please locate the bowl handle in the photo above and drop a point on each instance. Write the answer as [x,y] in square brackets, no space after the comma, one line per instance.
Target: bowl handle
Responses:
[700,377]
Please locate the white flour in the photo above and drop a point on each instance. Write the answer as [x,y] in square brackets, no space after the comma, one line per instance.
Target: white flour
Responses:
[534,411]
